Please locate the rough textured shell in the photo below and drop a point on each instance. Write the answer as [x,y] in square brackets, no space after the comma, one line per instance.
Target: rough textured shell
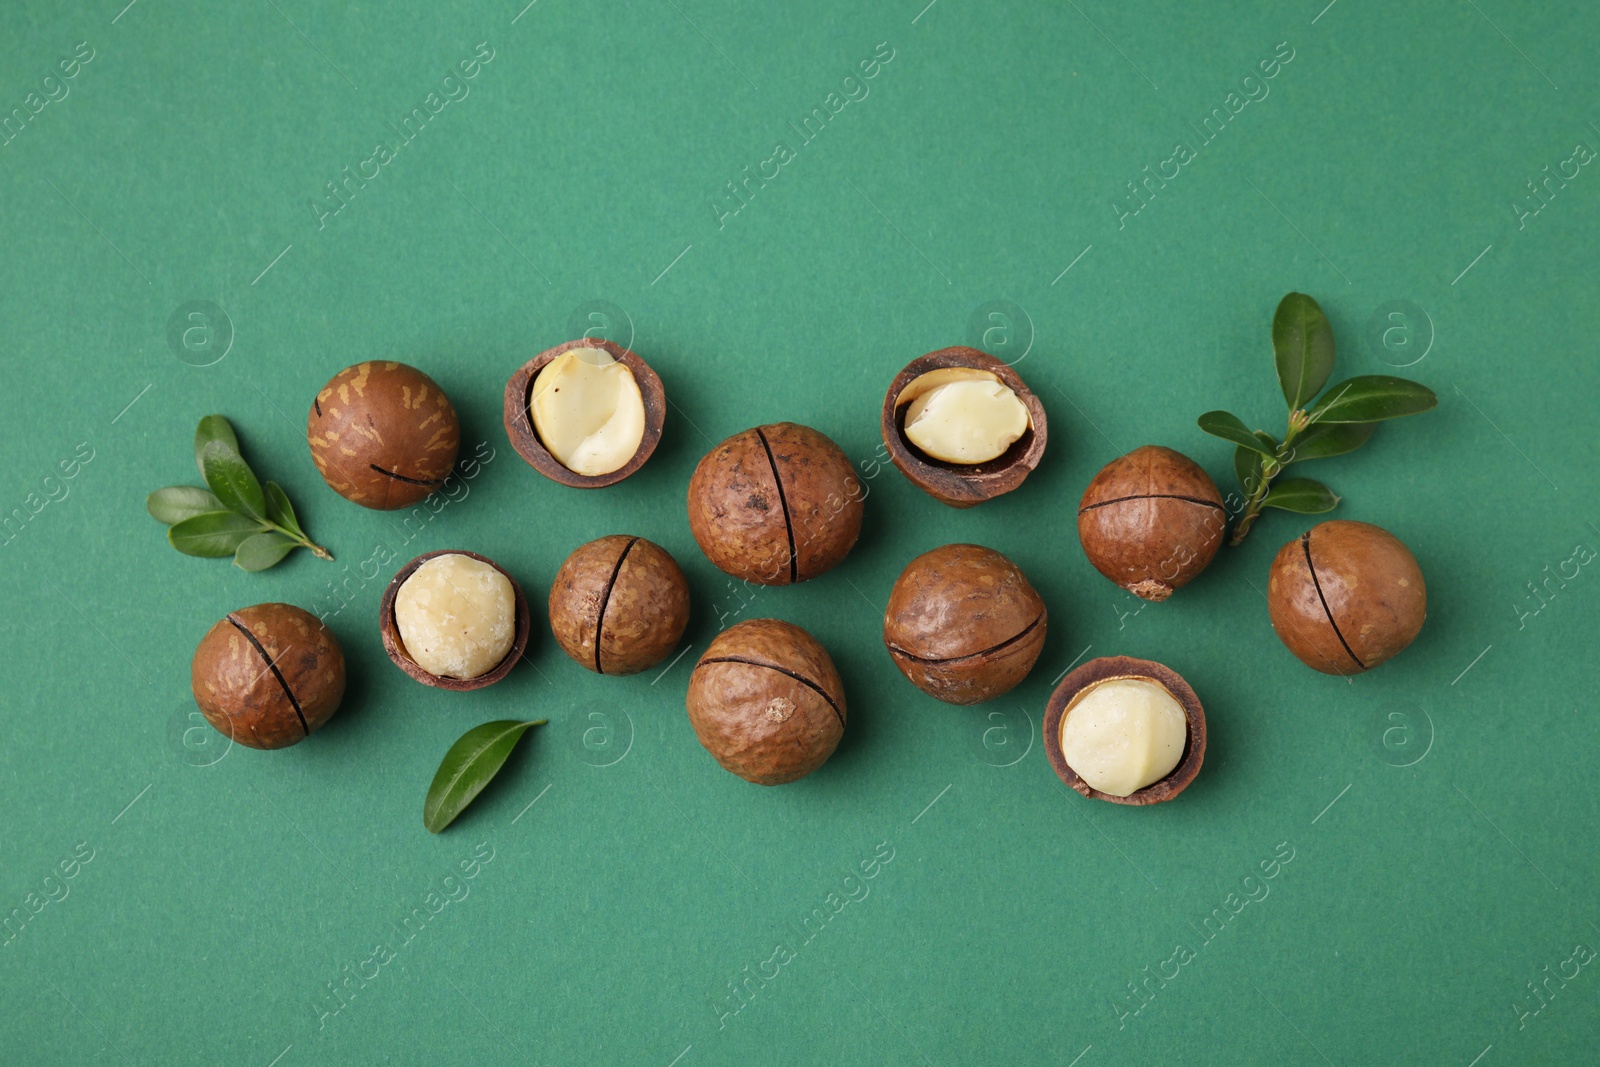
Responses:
[1151,521]
[383,434]
[619,605]
[254,668]
[396,648]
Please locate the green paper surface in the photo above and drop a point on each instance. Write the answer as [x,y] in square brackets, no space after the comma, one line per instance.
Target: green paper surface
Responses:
[1112,197]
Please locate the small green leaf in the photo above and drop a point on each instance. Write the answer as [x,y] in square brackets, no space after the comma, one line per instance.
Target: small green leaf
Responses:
[471,764]
[178,502]
[231,478]
[1332,439]
[1231,428]
[212,428]
[1302,346]
[279,510]
[1302,496]
[1371,398]
[212,534]
[262,550]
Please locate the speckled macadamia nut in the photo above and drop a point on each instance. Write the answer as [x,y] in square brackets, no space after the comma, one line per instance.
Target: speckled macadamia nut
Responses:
[268,676]
[619,605]
[383,434]
[587,410]
[456,616]
[1151,521]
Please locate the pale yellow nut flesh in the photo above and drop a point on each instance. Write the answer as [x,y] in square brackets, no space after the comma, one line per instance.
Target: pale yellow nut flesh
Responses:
[457,616]
[1124,734]
[588,411]
[962,415]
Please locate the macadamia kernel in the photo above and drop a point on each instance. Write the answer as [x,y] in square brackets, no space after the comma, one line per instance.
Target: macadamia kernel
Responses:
[588,411]
[1123,734]
[456,616]
[962,415]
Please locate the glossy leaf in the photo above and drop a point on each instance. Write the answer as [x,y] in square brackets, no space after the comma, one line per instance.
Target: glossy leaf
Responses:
[232,480]
[262,550]
[1301,495]
[471,764]
[213,428]
[1247,466]
[1302,346]
[279,510]
[1332,439]
[178,502]
[1230,427]
[212,535]
[1371,398]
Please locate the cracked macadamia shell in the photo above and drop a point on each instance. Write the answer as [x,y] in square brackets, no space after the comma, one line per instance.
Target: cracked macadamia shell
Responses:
[383,434]
[268,676]
[619,605]
[395,644]
[963,624]
[766,702]
[1151,521]
[456,616]
[1346,596]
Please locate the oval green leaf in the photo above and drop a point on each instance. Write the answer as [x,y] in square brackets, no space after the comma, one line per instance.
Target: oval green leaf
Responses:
[213,428]
[178,502]
[232,480]
[471,764]
[263,550]
[1372,398]
[1230,427]
[1302,346]
[1302,496]
[279,510]
[1332,439]
[212,535]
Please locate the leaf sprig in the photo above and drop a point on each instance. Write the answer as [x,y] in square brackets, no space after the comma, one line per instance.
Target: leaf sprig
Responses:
[1340,422]
[236,516]
[471,764]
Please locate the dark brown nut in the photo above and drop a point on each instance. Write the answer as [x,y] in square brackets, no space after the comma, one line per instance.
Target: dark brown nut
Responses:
[775,504]
[961,484]
[1123,721]
[394,643]
[766,702]
[268,676]
[963,624]
[1345,596]
[383,434]
[525,437]
[1151,521]
[619,605]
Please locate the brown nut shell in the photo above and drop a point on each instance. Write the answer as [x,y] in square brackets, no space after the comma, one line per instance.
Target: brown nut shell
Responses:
[383,434]
[963,624]
[390,632]
[619,605]
[962,485]
[525,439]
[1346,596]
[766,701]
[775,504]
[1104,669]
[1151,521]
[268,676]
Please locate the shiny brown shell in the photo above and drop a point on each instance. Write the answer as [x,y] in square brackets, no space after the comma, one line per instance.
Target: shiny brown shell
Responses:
[383,434]
[389,630]
[1151,521]
[1346,596]
[775,504]
[619,605]
[268,676]
[963,624]
[766,701]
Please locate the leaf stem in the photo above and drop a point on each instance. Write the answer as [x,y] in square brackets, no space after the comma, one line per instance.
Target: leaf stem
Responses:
[1270,469]
[300,539]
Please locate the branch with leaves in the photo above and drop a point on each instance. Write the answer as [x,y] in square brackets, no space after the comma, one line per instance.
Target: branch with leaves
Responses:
[1340,422]
[236,516]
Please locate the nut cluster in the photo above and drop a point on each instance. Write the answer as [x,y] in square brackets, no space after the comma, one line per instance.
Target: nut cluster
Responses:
[383,434]
[268,676]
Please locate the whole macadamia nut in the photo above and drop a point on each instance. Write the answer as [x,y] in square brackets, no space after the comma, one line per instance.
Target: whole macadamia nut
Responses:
[963,624]
[1346,596]
[1151,521]
[619,605]
[268,676]
[383,434]
[766,702]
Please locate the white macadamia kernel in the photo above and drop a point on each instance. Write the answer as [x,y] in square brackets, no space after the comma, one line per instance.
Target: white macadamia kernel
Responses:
[962,415]
[1123,734]
[457,616]
[588,411]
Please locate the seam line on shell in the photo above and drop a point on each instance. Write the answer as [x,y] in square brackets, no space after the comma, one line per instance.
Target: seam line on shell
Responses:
[600,619]
[783,502]
[1154,496]
[433,482]
[273,666]
[316,402]
[802,679]
[970,655]
[1305,543]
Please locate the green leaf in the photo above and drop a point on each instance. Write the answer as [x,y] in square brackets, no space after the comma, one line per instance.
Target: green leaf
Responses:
[1302,346]
[212,428]
[1247,465]
[279,510]
[471,764]
[1231,428]
[1332,439]
[1371,398]
[178,502]
[262,550]
[1301,495]
[212,534]
[231,478]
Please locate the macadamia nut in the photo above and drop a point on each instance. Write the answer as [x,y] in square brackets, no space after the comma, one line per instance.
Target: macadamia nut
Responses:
[963,415]
[588,411]
[456,616]
[1123,734]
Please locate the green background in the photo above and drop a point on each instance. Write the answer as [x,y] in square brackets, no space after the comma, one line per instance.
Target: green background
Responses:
[227,889]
